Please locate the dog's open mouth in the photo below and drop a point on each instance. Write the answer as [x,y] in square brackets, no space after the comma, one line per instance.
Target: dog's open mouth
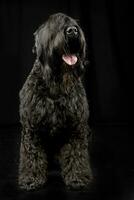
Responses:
[70,59]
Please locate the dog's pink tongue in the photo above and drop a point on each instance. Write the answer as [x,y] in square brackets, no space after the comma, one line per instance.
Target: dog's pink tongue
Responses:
[70,59]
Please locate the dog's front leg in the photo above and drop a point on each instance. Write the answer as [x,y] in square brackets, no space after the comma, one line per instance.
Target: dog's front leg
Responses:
[74,160]
[33,162]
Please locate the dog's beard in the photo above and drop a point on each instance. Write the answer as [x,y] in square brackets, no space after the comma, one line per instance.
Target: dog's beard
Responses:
[72,52]
[66,62]
[72,58]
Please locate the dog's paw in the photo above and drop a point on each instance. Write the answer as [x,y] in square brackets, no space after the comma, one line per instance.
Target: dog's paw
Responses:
[75,185]
[79,184]
[31,184]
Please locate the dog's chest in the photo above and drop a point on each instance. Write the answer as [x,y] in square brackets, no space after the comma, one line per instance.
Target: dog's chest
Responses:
[64,111]
[65,105]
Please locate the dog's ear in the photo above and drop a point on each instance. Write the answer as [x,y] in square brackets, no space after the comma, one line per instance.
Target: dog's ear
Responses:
[37,48]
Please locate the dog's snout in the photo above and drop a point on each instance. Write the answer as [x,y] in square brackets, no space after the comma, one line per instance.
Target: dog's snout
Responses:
[72,31]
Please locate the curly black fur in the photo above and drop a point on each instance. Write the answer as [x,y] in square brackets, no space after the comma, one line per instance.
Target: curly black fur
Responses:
[53,97]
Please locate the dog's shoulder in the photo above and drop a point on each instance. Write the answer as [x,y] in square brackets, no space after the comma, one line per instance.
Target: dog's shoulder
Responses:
[32,81]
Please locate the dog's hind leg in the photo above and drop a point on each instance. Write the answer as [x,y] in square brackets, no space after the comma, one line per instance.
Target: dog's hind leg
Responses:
[33,162]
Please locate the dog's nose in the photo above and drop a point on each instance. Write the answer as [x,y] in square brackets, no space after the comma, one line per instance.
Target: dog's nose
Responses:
[72,31]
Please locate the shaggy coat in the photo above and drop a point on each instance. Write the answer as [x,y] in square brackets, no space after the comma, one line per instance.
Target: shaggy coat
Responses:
[53,107]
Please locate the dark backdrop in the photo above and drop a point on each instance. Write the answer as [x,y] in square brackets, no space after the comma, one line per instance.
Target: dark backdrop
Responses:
[105,26]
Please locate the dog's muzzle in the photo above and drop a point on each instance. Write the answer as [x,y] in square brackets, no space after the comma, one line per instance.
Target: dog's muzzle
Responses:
[72,39]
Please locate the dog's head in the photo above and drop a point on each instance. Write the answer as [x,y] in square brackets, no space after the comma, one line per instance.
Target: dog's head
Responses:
[60,44]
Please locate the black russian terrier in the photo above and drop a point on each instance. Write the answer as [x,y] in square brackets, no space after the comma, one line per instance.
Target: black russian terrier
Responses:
[53,97]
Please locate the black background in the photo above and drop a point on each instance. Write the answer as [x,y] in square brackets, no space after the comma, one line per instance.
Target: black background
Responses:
[105,26]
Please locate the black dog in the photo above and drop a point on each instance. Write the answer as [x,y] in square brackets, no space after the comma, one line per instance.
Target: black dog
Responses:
[53,97]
